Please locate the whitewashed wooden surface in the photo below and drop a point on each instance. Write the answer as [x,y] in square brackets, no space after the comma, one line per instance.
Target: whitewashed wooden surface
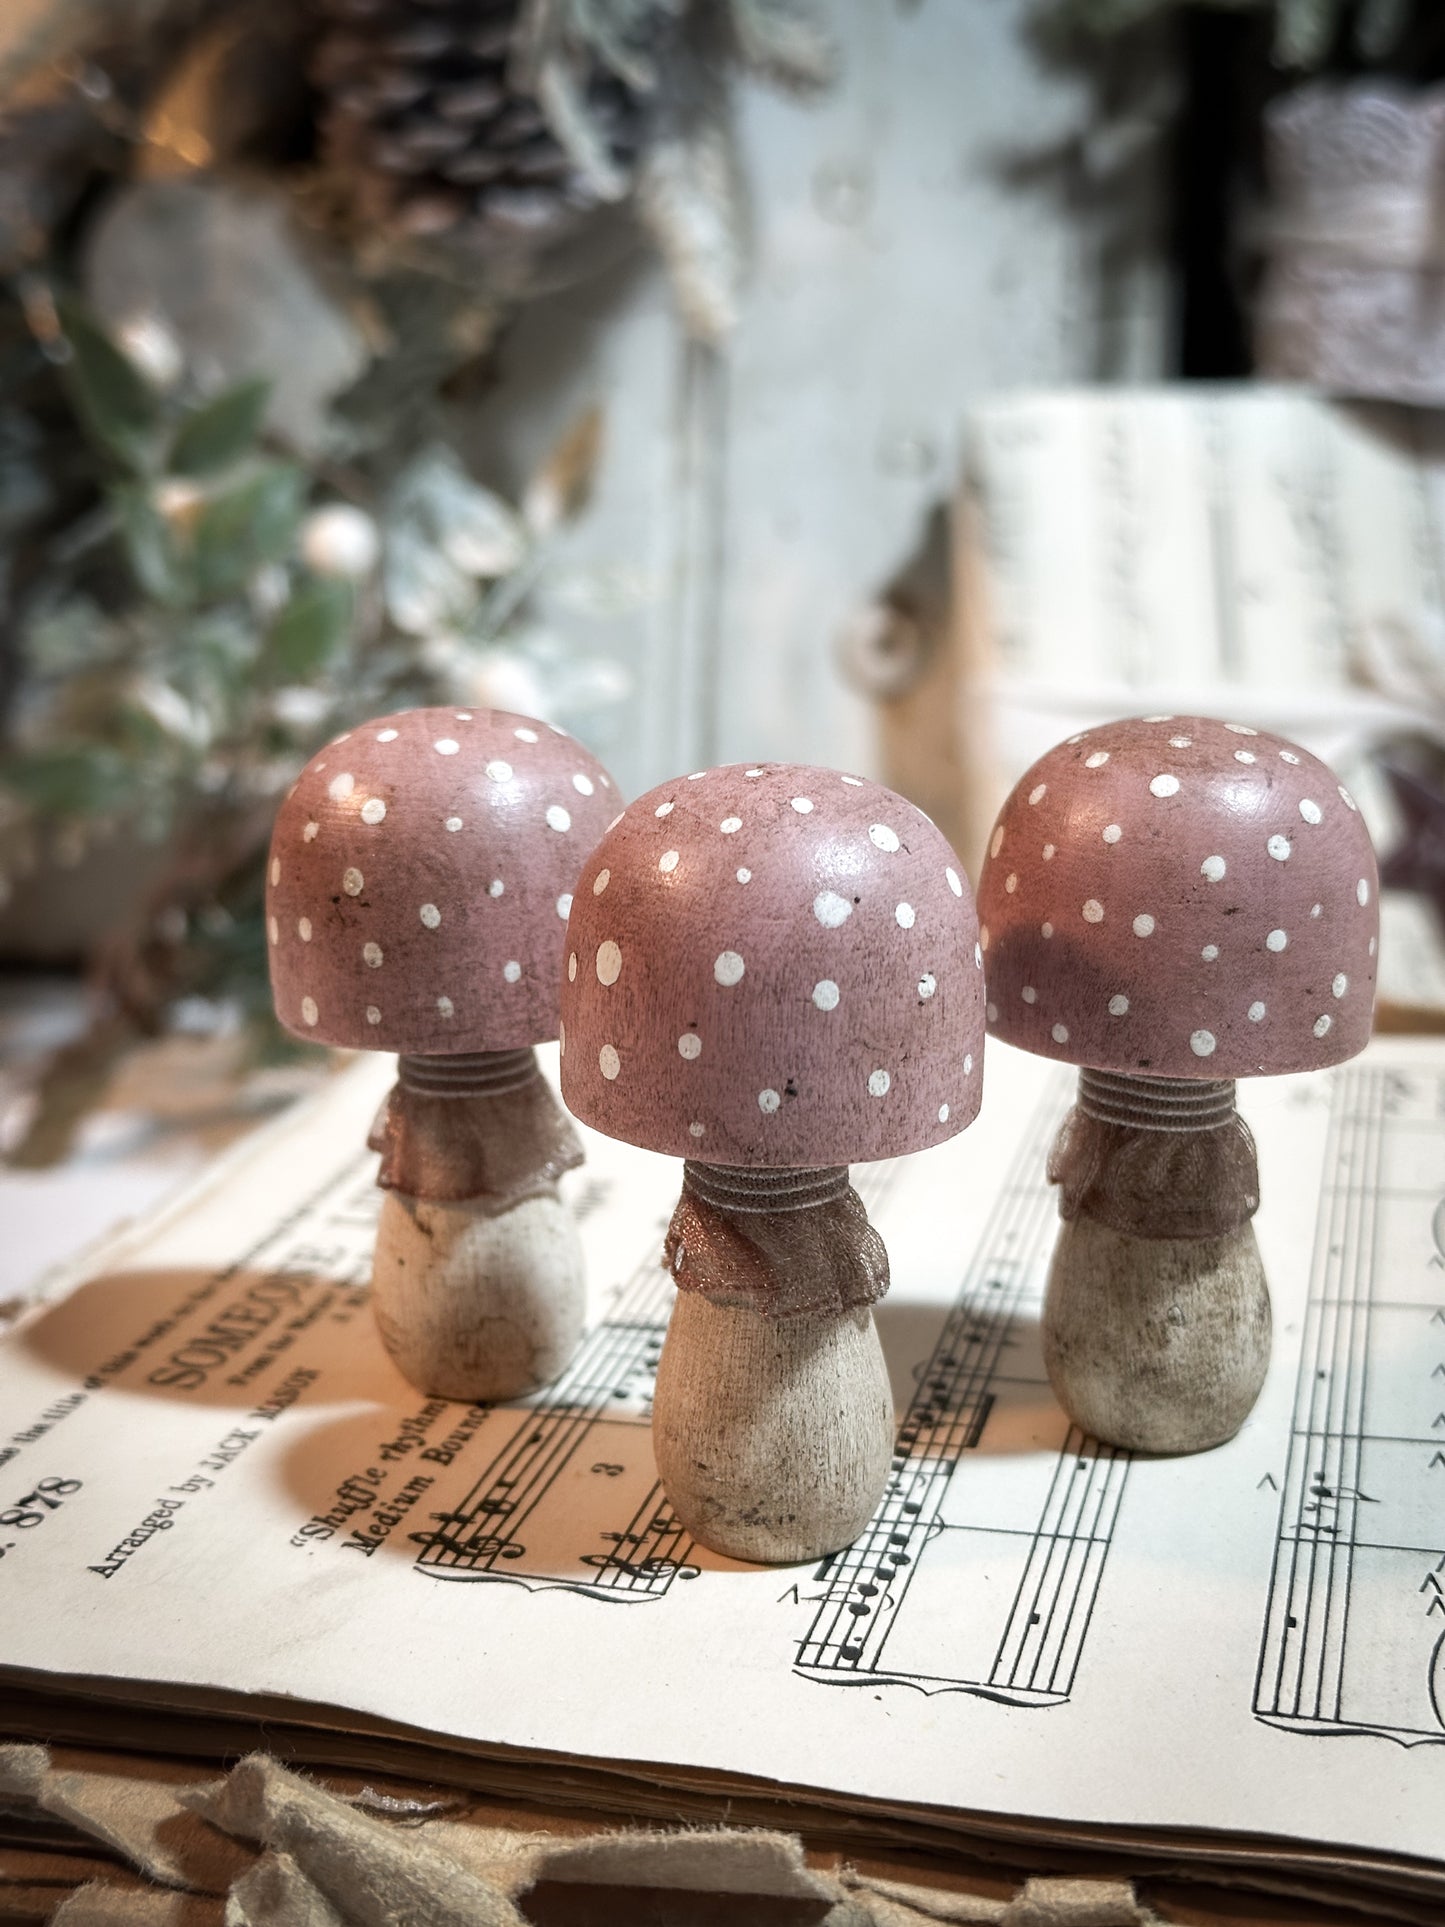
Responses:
[751,502]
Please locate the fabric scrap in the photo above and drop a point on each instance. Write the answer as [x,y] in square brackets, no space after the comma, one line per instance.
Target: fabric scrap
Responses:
[1054,1901]
[142,1820]
[374,1874]
[712,1860]
[275,1893]
[104,1903]
[22,1769]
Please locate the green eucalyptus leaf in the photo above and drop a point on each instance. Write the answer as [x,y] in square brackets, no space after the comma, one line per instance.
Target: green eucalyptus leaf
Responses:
[253,522]
[79,780]
[215,667]
[151,548]
[138,731]
[425,591]
[219,434]
[309,630]
[70,636]
[113,399]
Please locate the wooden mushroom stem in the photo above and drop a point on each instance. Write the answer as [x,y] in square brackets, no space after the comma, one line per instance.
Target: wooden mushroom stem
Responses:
[773,1416]
[477,1282]
[1157,1321]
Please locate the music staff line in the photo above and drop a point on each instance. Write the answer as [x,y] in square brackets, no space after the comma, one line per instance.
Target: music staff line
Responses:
[855,1636]
[1317,1670]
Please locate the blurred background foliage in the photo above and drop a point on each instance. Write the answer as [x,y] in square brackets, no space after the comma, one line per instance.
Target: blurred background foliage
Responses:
[194,610]
[254,259]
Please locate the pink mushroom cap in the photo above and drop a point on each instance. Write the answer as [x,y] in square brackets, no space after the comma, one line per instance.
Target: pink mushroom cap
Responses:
[1184,898]
[420,877]
[773,966]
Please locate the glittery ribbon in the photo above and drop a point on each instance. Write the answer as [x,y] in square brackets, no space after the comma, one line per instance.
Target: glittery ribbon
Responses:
[781,1243]
[484,1127]
[1156,1157]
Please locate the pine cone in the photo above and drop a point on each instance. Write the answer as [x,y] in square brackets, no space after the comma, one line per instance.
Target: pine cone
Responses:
[421,122]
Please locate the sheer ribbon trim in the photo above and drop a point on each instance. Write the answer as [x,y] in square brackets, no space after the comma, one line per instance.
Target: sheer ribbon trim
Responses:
[486,1129]
[1156,1157]
[780,1243]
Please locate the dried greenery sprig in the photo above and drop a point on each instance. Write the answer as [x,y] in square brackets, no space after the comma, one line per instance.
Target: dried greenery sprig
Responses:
[204,615]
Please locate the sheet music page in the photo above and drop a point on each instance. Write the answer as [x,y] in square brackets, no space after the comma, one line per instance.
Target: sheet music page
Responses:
[211,1475]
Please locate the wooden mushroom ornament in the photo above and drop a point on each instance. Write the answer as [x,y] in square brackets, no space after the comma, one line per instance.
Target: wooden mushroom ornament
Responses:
[1172,904]
[773,972]
[417,896]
